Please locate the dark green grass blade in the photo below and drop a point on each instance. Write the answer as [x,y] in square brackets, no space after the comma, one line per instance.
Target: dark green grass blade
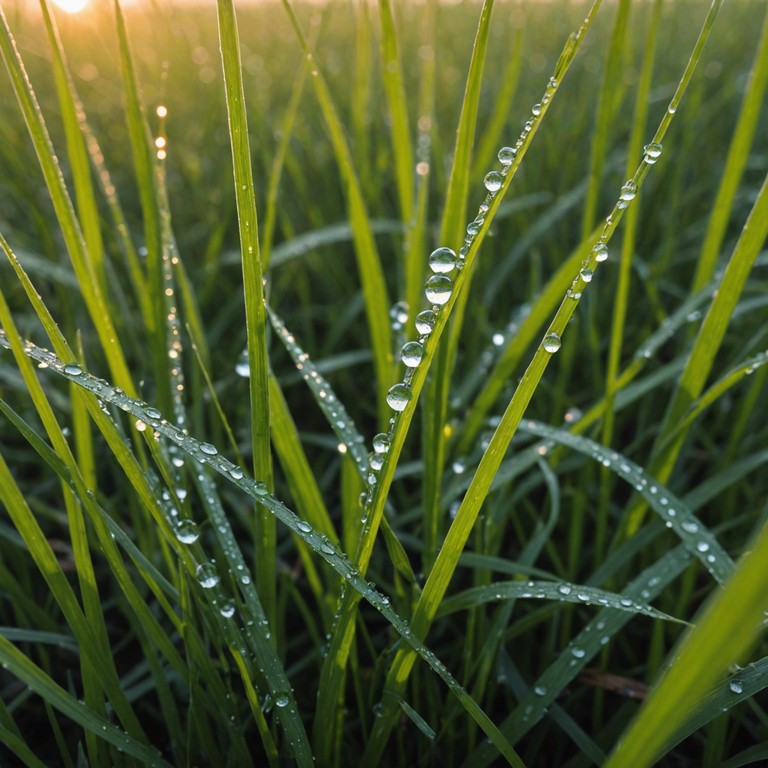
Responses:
[24,669]
[255,315]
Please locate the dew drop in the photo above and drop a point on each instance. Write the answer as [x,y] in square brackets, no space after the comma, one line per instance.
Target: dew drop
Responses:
[507,155]
[399,313]
[187,532]
[442,260]
[536,109]
[208,449]
[564,589]
[702,546]
[206,575]
[578,653]
[438,289]
[473,227]
[540,690]
[260,488]
[425,322]
[227,609]
[552,343]
[73,370]
[586,275]
[304,526]
[152,414]
[398,397]
[381,442]
[652,153]
[493,181]
[282,700]
[628,191]
[236,473]
[736,686]
[411,354]
[600,252]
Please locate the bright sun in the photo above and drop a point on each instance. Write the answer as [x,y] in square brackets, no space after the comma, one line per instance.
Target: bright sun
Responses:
[71,6]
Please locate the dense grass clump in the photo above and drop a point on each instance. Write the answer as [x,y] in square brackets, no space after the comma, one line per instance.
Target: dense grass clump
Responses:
[383,384]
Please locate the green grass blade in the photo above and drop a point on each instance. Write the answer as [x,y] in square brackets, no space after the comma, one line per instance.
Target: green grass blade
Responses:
[397,104]
[255,315]
[708,341]
[369,264]
[94,299]
[21,667]
[738,154]
[724,632]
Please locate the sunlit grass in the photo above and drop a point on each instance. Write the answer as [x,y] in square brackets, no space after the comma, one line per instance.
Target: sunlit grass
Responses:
[383,335]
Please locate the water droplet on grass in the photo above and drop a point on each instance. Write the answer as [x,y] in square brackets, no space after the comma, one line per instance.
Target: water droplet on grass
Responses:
[736,686]
[208,449]
[227,609]
[425,322]
[552,342]
[411,353]
[442,260]
[73,370]
[493,181]
[600,252]
[187,532]
[282,700]
[438,289]
[304,526]
[507,155]
[652,153]
[207,575]
[536,109]
[564,589]
[628,190]
[381,442]
[578,653]
[586,275]
[398,397]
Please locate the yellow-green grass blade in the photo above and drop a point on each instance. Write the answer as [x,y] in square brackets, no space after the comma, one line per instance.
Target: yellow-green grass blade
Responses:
[369,263]
[94,298]
[416,242]
[492,137]
[145,167]
[722,635]
[72,115]
[255,315]
[708,341]
[397,105]
[735,163]
[609,99]
[451,233]
[621,302]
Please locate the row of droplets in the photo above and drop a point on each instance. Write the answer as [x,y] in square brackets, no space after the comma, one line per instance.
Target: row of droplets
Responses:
[599,252]
[438,288]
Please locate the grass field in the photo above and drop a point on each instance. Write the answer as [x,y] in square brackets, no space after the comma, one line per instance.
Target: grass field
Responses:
[384,384]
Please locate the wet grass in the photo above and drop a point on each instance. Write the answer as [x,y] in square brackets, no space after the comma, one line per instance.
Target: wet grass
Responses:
[236,528]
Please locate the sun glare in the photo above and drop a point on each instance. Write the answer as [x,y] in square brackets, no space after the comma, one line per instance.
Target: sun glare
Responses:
[71,6]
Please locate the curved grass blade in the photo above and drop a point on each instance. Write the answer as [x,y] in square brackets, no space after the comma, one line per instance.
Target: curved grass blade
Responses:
[725,631]
[696,537]
[563,592]
[579,652]
[73,237]
[711,334]
[26,671]
[207,454]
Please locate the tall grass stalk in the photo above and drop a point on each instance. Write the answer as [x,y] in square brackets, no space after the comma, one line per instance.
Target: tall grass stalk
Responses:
[562,473]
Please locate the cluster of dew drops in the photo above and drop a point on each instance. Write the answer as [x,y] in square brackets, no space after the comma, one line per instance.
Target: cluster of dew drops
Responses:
[599,253]
[438,288]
